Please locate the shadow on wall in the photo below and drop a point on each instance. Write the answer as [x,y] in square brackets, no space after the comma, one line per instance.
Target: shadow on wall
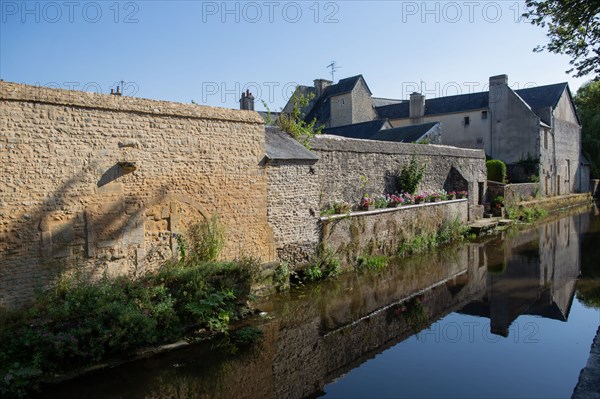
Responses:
[103,239]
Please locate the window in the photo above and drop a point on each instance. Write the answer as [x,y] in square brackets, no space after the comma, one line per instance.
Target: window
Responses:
[545,139]
[483,115]
[467,121]
[479,140]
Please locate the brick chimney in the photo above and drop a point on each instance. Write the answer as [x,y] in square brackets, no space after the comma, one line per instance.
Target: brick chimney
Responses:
[416,108]
[321,85]
[247,101]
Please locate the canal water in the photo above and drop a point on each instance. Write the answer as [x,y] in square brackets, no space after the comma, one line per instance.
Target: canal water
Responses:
[510,316]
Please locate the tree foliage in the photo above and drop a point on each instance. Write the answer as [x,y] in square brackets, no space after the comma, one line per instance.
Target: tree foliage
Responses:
[587,102]
[496,170]
[573,29]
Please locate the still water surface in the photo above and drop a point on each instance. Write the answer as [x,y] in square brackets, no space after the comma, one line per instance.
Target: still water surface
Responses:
[511,316]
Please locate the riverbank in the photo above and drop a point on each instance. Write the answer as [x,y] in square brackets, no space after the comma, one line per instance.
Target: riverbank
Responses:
[534,211]
[81,325]
[552,204]
[588,386]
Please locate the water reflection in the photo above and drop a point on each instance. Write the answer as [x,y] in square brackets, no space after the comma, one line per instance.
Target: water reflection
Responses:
[533,273]
[319,333]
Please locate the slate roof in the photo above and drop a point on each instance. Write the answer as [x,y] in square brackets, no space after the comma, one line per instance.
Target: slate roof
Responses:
[536,97]
[380,102]
[440,105]
[281,146]
[321,109]
[364,130]
[542,96]
[405,134]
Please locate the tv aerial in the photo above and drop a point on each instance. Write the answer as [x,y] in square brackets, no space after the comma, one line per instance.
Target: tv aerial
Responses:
[334,67]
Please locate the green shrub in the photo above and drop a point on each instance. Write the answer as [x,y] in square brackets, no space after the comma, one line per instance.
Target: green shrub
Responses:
[409,177]
[281,277]
[80,322]
[448,231]
[527,215]
[370,262]
[496,170]
[325,264]
[204,242]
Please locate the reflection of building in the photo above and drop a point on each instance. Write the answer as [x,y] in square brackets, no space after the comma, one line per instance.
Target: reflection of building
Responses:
[534,274]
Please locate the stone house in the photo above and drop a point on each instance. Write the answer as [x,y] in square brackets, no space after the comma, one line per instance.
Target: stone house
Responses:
[535,131]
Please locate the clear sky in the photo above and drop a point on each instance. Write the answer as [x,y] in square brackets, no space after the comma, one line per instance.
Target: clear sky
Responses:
[209,51]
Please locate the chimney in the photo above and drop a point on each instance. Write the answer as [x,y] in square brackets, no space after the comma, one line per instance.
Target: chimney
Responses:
[321,85]
[247,101]
[498,84]
[498,80]
[416,108]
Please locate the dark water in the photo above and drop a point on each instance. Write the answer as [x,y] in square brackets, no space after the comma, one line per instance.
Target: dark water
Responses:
[511,316]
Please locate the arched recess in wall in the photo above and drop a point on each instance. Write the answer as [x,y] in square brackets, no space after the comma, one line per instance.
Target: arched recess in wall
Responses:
[455,180]
[164,218]
[173,213]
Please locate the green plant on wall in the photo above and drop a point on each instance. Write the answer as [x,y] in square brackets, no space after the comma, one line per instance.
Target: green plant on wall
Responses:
[409,177]
[204,242]
[324,264]
[294,123]
[496,170]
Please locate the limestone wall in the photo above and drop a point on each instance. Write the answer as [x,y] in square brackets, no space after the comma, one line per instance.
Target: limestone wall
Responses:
[343,161]
[381,233]
[65,199]
[293,209]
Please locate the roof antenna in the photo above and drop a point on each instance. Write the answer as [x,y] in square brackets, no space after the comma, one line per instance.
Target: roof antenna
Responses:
[334,68]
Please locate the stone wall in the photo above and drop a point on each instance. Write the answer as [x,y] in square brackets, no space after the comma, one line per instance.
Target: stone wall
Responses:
[348,168]
[102,182]
[298,190]
[293,208]
[514,193]
[381,232]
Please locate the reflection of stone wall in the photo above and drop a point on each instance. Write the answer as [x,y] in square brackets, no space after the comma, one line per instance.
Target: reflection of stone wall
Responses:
[312,338]
[66,201]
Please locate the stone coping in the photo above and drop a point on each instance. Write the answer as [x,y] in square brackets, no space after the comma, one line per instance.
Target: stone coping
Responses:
[39,94]
[386,210]
[325,142]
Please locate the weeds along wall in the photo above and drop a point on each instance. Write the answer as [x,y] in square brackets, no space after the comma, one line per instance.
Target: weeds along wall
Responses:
[383,233]
[103,183]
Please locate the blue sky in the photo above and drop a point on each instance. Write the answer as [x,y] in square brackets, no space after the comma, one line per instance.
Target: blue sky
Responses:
[209,51]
